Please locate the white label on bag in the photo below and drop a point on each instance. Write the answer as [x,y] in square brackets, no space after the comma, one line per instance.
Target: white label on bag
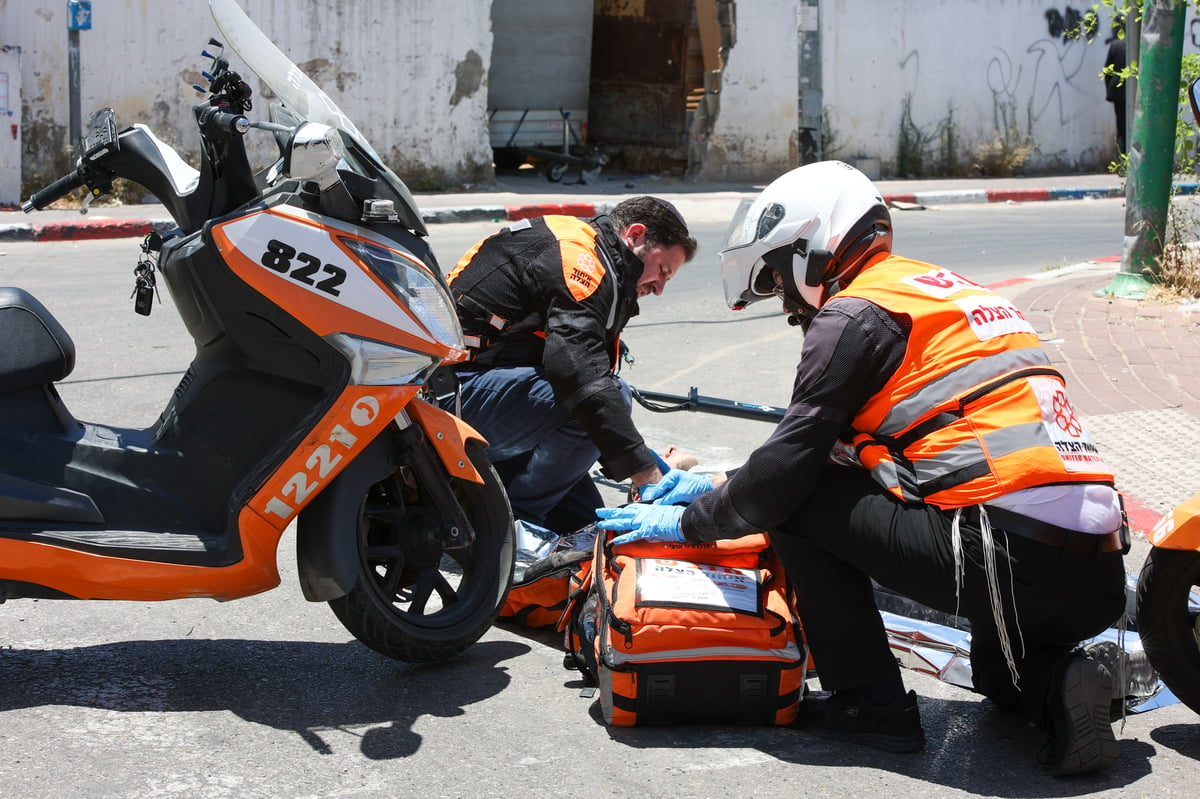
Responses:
[677,583]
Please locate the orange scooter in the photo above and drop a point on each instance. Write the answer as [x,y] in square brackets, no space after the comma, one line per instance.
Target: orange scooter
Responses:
[320,317]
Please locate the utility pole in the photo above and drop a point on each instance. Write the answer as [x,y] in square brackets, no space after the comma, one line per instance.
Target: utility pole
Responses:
[79,18]
[1151,147]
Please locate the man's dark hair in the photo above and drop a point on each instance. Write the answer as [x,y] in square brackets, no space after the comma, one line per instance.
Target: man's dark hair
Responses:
[664,224]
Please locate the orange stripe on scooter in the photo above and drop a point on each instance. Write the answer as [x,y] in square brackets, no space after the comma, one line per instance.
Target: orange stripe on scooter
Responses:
[356,418]
[86,575]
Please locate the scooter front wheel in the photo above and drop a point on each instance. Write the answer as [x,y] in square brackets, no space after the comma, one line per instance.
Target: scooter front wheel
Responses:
[1168,620]
[416,600]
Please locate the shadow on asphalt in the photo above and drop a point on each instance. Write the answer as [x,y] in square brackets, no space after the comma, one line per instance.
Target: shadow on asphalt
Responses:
[1181,738]
[256,681]
[972,747]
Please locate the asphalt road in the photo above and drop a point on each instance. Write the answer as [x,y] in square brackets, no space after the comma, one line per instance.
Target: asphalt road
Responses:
[269,696]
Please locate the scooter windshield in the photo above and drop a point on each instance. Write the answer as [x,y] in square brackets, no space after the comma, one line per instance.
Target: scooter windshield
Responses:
[296,90]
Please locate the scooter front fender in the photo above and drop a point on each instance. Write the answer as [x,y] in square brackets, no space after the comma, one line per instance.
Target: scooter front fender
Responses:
[449,436]
[1179,529]
[327,533]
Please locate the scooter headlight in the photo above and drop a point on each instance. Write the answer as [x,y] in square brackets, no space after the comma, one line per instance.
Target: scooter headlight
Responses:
[411,283]
[373,363]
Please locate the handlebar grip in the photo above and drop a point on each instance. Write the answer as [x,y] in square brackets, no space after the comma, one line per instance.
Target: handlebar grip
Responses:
[55,191]
[223,120]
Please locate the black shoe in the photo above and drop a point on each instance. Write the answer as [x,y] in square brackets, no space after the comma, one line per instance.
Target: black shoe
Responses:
[1077,719]
[848,716]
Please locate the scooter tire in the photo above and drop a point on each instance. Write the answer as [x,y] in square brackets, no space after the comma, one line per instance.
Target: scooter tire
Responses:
[1168,624]
[413,600]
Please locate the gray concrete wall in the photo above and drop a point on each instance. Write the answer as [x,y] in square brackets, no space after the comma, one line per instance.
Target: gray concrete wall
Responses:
[541,54]
[1000,72]
[412,74]
[754,133]
[968,63]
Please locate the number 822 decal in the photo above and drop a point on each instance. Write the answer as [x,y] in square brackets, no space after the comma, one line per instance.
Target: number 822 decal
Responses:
[280,256]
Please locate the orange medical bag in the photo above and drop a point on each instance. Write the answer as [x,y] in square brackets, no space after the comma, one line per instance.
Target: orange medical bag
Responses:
[688,633]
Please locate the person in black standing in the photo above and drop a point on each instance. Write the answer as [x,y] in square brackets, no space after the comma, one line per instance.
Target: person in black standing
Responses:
[1114,83]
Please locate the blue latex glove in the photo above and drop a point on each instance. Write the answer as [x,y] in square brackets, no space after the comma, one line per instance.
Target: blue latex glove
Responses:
[644,522]
[676,488]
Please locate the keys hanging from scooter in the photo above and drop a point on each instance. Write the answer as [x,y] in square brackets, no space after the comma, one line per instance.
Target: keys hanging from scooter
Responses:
[145,285]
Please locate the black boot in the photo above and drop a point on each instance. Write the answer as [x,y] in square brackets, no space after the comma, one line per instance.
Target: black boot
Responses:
[850,716]
[1080,737]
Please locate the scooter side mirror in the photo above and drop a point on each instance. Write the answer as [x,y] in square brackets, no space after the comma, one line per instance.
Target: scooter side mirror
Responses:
[1194,99]
[313,154]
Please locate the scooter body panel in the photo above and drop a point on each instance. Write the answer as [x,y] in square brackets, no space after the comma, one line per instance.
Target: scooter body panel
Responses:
[1180,529]
[305,262]
[258,384]
[80,574]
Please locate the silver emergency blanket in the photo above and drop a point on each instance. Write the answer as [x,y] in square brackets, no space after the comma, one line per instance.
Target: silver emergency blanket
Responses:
[931,642]
[939,644]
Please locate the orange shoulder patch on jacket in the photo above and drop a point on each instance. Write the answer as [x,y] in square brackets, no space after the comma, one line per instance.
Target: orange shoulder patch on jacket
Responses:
[582,273]
[582,270]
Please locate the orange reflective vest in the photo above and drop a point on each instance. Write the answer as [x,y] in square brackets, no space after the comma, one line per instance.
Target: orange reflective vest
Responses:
[975,411]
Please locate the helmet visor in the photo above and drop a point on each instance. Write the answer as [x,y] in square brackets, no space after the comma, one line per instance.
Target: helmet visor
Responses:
[741,259]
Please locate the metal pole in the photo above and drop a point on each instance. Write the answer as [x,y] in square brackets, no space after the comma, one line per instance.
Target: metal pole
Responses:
[74,119]
[1151,147]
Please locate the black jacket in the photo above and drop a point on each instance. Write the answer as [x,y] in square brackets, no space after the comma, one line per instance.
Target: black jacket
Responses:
[556,292]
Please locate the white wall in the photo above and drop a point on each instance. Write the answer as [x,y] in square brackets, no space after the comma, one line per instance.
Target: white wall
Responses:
[966,61]
[754,135]
[412,74]
[971,58]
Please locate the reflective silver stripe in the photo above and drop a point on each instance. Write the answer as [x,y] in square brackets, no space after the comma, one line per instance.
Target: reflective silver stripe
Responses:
[884,473]
[965,454]
[999,443]
[1016,438]
[608,267]
[905,413]
[472,341]
[887,475]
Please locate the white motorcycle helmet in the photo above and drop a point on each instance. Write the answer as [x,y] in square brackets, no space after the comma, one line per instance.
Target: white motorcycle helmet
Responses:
[815,226]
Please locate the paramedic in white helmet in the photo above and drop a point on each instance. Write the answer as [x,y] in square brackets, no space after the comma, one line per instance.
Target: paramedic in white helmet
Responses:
[929,445]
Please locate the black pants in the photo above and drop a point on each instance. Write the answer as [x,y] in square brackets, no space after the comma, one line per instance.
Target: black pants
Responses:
[1119,111]
[851,531]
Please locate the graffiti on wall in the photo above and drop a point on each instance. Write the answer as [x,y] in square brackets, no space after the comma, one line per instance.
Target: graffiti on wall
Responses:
[1054,65]
[1063,25]
[1040,84]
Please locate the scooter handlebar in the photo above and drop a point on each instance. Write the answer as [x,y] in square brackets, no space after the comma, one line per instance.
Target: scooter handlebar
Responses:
[216,119]
[55,191]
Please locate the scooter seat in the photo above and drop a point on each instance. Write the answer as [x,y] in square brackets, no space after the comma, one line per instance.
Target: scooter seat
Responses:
[34,348]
